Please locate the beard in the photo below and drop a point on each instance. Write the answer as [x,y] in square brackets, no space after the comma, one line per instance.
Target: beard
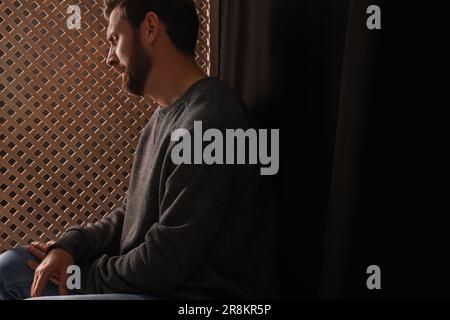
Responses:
[138,69]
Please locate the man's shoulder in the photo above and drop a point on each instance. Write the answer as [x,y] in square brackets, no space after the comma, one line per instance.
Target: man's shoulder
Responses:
[216,105]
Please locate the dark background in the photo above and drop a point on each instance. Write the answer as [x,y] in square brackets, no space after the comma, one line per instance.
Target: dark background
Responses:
[362,122]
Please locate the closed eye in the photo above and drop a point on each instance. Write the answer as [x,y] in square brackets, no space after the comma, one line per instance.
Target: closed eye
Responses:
[113,38]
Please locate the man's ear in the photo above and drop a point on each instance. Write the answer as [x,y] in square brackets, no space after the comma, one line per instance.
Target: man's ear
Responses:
[152,26]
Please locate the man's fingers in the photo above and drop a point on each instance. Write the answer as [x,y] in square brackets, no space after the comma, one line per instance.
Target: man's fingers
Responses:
[36,252]
[41,282]
[51,269]
[55,280]
[33,285]
[40,245]
[32,264]
[39,249]
[50,243]
[62,285]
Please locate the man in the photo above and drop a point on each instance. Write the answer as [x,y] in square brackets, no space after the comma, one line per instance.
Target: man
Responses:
[184,230]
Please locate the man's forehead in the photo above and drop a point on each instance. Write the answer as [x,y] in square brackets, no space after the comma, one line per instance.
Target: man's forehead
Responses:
[115,19]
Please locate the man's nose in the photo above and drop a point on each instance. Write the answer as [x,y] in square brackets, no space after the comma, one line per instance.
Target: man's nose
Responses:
[112,59]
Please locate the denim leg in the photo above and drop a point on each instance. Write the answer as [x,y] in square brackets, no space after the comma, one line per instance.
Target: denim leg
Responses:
[16,277]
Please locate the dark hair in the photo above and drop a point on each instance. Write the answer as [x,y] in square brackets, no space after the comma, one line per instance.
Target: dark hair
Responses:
[179,17]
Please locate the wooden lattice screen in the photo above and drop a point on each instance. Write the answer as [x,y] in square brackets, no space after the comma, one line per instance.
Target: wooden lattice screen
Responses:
[68,132]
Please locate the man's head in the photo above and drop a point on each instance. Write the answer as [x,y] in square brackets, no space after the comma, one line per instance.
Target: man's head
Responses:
[134,28]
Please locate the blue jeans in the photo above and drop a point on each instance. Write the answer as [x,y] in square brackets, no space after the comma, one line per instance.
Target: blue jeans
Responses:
[16,279]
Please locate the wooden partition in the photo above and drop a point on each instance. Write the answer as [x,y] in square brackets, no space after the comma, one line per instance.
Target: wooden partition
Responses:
[68,131]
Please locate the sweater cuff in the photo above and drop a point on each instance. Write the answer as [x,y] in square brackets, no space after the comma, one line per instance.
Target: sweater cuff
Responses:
[73,241]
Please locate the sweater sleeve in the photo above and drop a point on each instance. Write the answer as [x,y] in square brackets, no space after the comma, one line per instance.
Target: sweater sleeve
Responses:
[193,205]
[96,238]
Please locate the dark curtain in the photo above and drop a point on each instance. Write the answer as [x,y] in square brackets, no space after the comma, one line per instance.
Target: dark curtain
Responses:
[289,76]
[385,206]
[245,51]
[347,247]
[351,189]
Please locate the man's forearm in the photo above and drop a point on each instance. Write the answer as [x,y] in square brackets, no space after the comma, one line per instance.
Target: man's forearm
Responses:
[96,239]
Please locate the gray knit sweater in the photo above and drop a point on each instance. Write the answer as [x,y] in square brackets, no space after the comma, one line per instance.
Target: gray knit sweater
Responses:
[184,231]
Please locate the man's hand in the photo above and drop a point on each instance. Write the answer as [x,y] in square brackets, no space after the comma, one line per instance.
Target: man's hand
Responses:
[39,249]
[53,267]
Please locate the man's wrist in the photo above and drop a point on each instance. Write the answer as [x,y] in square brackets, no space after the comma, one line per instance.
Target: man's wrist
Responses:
[73,242]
